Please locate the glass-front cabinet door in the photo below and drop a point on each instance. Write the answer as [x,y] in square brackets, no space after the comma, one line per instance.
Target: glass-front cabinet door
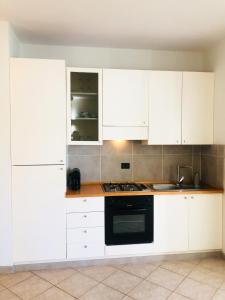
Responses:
[84,117]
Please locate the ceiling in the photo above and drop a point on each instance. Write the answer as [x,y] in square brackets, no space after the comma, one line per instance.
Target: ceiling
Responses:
[156,24]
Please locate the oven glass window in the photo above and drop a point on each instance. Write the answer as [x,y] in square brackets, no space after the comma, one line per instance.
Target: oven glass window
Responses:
[128,224]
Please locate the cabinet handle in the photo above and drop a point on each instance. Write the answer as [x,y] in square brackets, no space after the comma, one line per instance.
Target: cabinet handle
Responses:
[61,160]
[61,169]
[185,197]
[85,231]
[85,246]
[85,200]
[85,216]
[184,141]
[192,197]
[177,141]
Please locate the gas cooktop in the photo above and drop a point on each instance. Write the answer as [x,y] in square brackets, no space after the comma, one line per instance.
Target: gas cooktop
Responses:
[123,187]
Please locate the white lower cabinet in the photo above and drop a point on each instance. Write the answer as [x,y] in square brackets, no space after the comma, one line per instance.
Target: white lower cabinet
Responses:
[188,222]
[85,219]
[85,228]
[39,218]
[205,222]
[171,223]
[182,223]
[84,250]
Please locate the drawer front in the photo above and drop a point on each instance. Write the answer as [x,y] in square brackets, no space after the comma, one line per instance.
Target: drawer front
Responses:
[85,235]
[85,204]
[92,219]
[85,250]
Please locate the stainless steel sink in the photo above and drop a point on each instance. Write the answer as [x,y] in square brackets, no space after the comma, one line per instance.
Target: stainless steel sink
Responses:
[169,187]
[163,187]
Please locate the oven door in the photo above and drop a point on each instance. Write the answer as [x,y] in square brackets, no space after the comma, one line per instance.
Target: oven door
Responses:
[128,225]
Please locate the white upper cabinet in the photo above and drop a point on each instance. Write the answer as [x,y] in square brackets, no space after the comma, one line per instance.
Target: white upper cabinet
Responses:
[197,108]
[39,216]
[125,102]
[125,98]
[180,107]
[165,107]
[38,111]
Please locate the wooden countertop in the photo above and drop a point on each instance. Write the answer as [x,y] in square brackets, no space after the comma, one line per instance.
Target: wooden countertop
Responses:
[95,190]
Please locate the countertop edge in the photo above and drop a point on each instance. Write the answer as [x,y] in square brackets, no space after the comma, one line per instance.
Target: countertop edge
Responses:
[95,190]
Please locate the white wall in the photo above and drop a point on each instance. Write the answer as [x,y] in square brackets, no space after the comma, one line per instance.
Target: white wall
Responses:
[9,45]
[15,45]
[215,61]
[5,161]
[118,58]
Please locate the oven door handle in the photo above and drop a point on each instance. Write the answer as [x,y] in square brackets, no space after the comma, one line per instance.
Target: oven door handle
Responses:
[125,209]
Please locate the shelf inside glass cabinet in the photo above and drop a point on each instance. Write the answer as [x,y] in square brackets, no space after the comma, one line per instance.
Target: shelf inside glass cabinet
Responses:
[84,113]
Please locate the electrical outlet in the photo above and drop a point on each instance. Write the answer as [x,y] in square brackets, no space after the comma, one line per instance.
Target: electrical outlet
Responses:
[125,165]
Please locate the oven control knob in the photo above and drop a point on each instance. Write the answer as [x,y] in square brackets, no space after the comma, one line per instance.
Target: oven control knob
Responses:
[85,216]
[85,231]
[85,246]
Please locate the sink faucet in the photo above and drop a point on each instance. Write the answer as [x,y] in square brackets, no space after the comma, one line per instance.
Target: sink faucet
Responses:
[181,179]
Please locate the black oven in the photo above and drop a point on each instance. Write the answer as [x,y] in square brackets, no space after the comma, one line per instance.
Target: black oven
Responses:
[129,220]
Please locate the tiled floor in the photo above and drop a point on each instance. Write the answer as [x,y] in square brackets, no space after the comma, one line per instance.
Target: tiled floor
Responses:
[196,279]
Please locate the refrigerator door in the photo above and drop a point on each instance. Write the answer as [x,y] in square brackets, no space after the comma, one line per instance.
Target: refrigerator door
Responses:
[38,111]
[39,217]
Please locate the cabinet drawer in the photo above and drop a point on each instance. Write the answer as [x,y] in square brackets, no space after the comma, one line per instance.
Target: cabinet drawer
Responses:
[85,204]
[85,235]
[92,219]
[85,250]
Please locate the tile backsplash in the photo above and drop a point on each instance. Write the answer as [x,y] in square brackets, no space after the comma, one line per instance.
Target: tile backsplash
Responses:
[158,163]
[212,162]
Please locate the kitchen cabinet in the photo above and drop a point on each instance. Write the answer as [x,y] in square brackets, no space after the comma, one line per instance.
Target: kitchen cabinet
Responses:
[39,215]
[188,222]
[205,222]
[125,104]
[197,108]
[84,109]
[171,223]
[165,107]
[180,107]
[38,111]
[85,228]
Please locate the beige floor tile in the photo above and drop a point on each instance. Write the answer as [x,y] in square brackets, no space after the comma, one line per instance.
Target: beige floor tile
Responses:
[30,287]
[176,296]
[149,291]
[1,288]
[166,278]
[55,275]
[214,264]
[98,273]
[206,276]
[7,295]
[127,298]
[220,295]
[195,290]
[54,294]
[178,266]
[140,270]
[11,279]
[77,285]
[102,292]
[223,286]
[122,281]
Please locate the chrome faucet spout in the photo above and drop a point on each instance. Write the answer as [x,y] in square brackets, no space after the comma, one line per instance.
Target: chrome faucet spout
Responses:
[181,179]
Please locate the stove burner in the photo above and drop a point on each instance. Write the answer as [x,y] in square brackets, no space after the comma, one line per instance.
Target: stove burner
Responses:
[122,187]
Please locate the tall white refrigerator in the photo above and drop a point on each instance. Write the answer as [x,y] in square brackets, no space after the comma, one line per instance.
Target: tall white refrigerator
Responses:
[38,149]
